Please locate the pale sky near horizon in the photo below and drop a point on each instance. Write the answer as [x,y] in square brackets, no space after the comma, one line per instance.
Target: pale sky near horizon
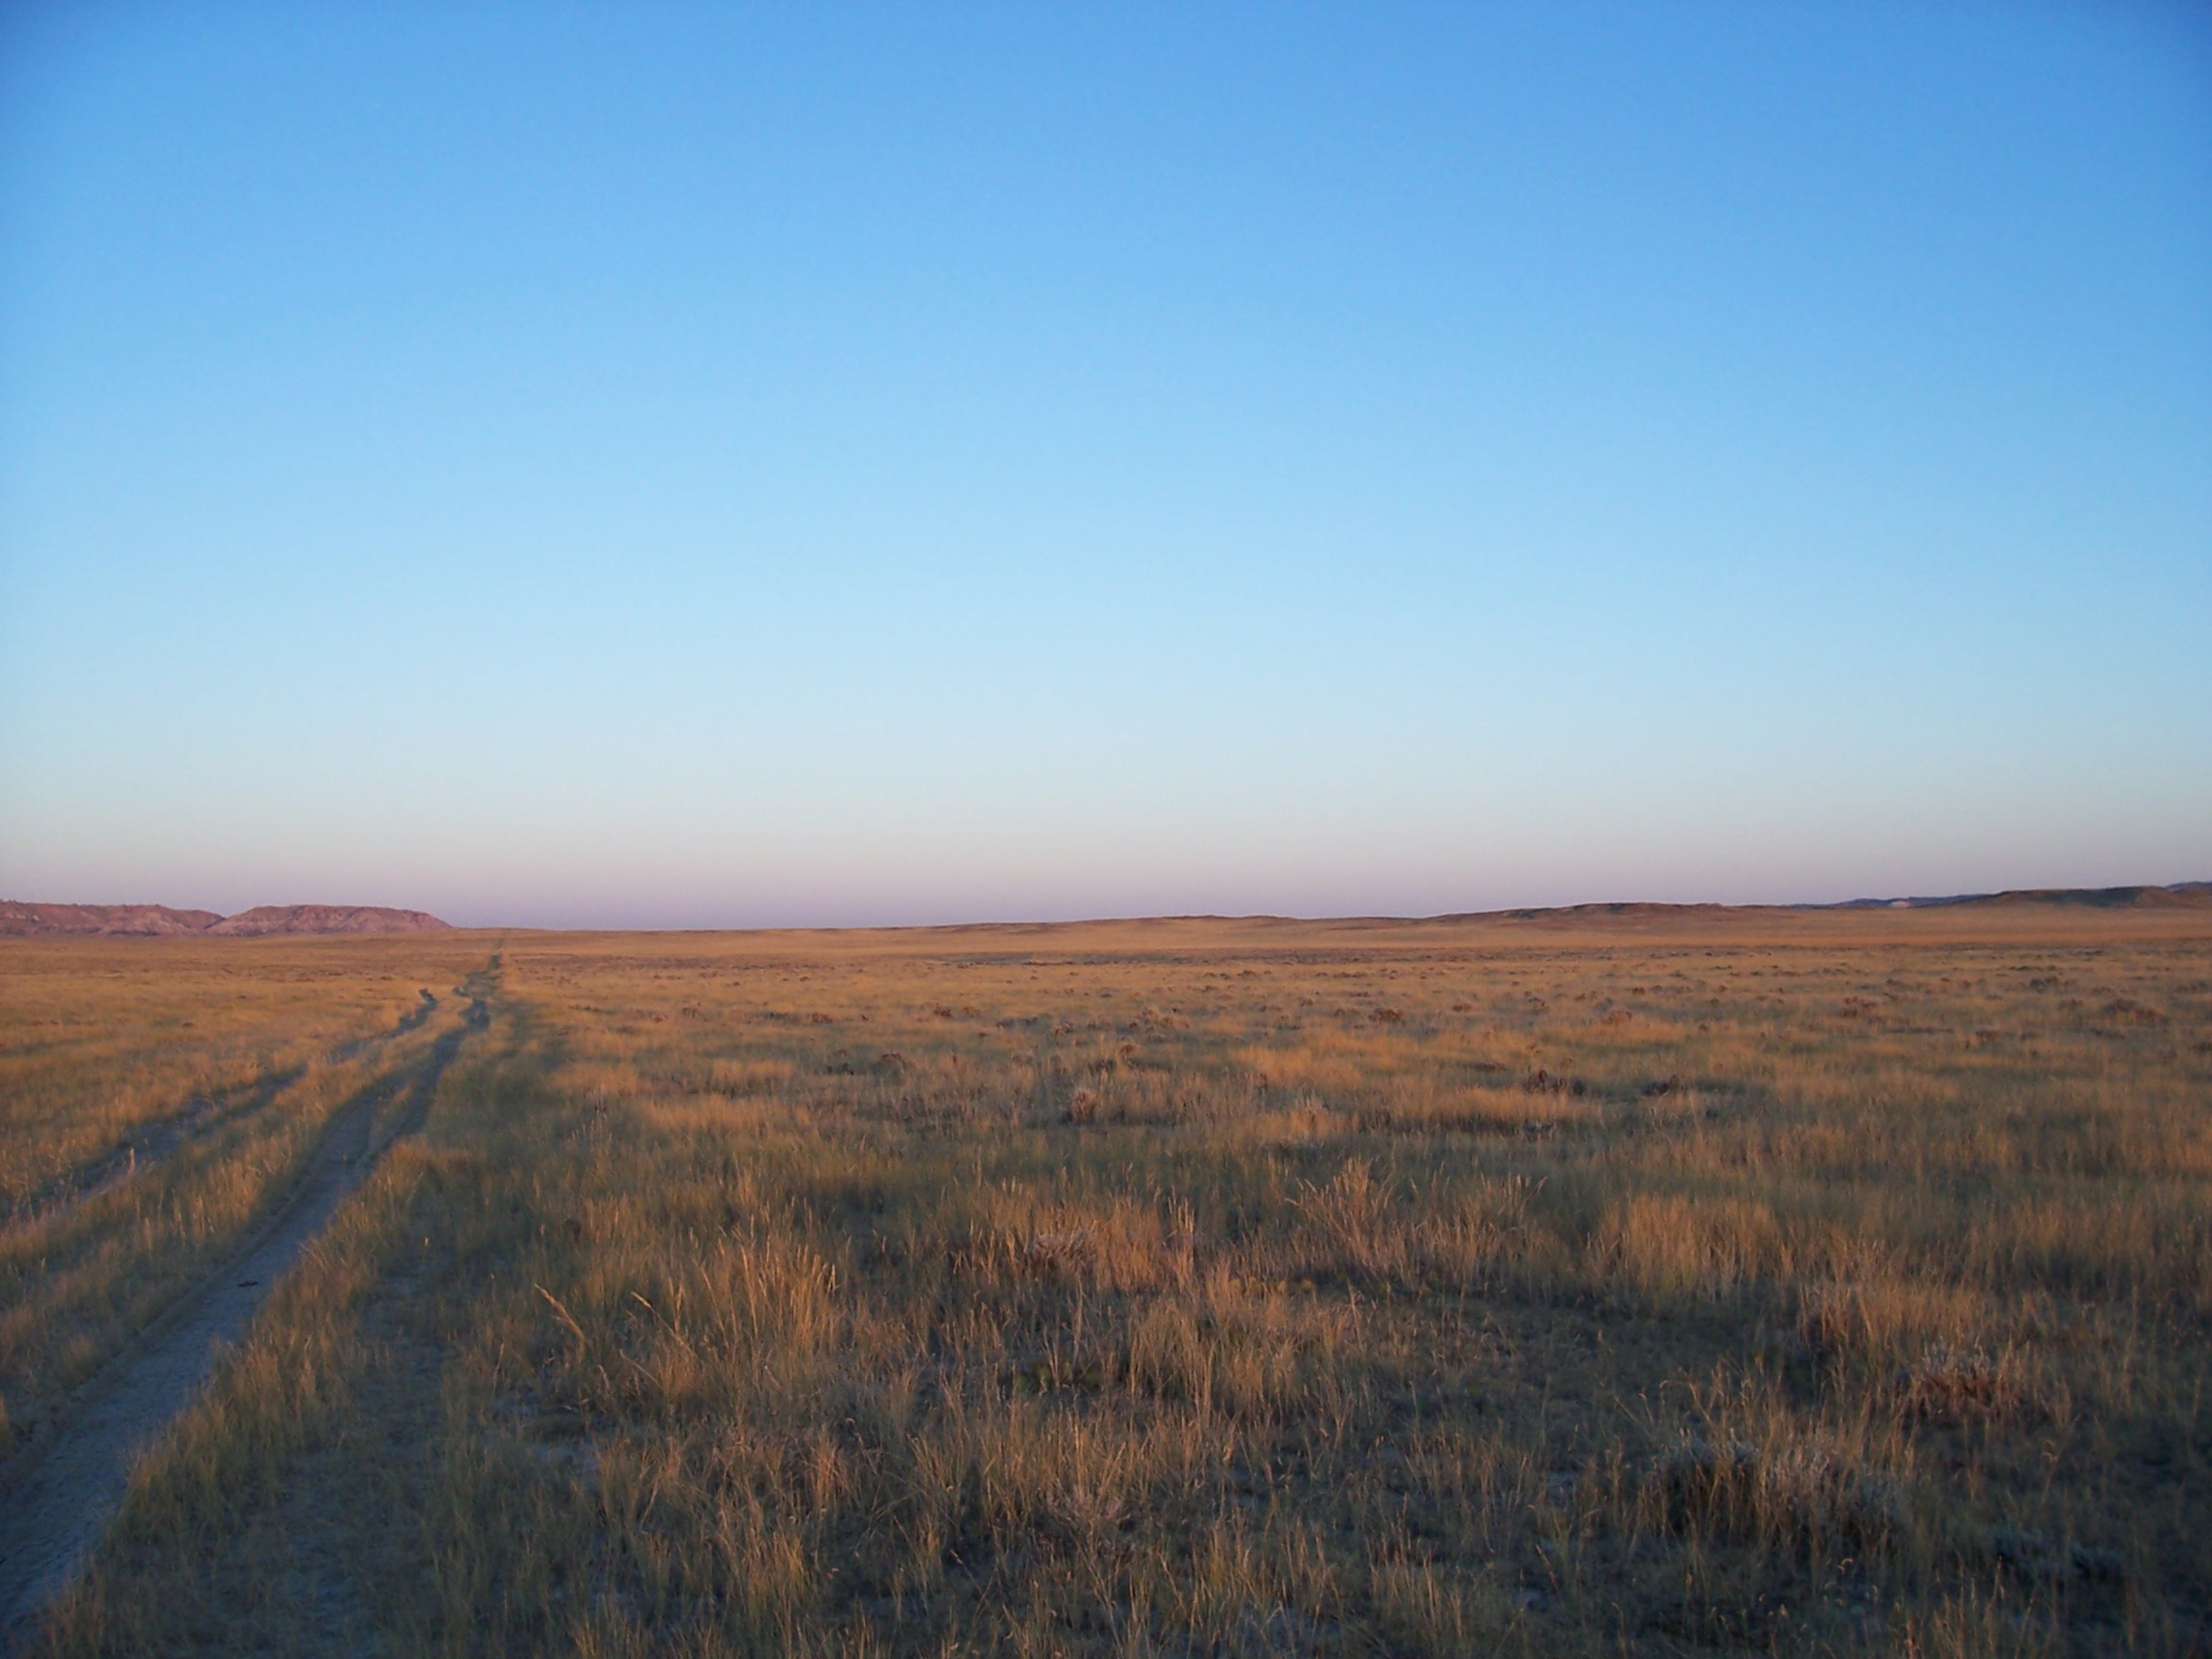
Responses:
[684,465]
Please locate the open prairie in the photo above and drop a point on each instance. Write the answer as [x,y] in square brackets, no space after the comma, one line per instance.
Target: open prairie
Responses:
[1650,1283]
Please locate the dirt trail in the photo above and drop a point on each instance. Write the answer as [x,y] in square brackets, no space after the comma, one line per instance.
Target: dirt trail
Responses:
[411,1020]
[56,1508]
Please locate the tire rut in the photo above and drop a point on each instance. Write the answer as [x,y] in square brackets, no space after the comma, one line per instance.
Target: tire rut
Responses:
[57,1505]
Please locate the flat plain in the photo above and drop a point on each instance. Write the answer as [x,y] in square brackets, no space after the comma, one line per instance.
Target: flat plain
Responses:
[1644,1282]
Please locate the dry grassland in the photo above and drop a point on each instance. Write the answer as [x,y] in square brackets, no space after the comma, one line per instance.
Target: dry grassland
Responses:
[1827,1284]
[155,1097]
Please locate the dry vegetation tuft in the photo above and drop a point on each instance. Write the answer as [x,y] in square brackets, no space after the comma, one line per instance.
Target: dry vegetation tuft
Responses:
[1838,1285]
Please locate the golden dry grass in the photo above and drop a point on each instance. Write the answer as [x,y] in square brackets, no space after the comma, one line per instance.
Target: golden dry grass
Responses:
[1826,1285]
[157,1097]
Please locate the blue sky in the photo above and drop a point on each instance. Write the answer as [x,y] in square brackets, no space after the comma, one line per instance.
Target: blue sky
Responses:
[668,465]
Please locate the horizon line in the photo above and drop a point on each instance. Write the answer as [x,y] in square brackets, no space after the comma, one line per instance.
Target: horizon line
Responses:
[2109,896]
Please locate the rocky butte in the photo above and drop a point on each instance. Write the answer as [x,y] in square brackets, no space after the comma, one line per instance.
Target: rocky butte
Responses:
[20,920]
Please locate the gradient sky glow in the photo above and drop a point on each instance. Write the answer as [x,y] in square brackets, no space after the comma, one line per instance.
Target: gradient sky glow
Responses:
[660,465]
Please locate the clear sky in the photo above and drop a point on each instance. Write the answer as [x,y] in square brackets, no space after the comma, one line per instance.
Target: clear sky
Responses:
[704,466]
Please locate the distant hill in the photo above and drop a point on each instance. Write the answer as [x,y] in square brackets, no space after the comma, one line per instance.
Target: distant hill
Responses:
[327,919]
[19,919]
[2181,894]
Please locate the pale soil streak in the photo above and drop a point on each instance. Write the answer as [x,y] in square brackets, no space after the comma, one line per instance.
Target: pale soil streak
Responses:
[57,1506]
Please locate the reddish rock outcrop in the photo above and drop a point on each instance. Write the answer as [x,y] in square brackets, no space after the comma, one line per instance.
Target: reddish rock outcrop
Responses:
[19,919]
[326,919]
